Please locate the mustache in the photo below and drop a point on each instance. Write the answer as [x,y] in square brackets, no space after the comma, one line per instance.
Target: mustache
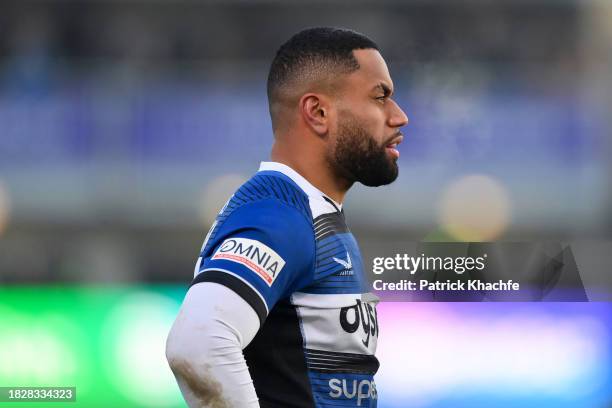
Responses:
[393,136]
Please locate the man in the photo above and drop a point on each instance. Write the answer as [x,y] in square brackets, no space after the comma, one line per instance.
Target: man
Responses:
[279,313]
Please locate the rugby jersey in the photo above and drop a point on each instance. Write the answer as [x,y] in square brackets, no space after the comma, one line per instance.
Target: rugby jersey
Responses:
[284,247]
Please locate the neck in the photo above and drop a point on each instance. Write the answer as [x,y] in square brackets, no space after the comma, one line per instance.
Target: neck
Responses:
[310,163]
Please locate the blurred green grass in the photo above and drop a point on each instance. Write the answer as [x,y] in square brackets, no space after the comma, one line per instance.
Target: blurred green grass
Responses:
[107,341]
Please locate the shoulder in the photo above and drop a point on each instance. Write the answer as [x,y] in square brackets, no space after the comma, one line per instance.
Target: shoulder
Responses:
[270,215]
[271,204]
[272,188]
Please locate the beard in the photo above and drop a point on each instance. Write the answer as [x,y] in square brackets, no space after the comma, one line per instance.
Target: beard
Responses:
[357,157]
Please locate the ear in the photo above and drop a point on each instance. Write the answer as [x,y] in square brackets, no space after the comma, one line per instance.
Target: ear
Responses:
[315,109]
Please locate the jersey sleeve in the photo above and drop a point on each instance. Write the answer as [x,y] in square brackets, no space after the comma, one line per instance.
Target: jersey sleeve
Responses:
[263,251]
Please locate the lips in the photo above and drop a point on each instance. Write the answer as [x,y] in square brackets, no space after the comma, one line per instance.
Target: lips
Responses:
[391,147]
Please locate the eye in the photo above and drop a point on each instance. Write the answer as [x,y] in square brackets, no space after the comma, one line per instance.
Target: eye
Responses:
[382,98]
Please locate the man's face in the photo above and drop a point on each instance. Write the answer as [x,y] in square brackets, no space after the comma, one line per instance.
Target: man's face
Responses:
[365,137]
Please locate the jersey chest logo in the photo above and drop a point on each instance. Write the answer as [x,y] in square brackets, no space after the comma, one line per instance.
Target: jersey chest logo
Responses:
[255,255]
[362,314]
[348,265]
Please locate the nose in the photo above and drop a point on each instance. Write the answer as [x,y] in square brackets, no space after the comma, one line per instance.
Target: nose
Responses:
[397,117]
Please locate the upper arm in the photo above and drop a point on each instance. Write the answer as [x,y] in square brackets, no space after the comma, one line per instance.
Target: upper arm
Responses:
[208,309]
[263,252]
[204,347]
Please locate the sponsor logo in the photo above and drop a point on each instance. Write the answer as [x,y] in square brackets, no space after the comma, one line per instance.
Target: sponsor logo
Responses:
[348,265]
[256,256]
[350,389]
[362,315]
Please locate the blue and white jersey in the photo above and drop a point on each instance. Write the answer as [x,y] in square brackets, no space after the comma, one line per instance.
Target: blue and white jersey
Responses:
[284,247]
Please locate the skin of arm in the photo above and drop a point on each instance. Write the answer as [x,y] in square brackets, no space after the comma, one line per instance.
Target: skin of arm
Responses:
[204,348]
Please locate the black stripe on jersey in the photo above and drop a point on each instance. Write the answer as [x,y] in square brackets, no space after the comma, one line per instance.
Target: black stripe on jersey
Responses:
[329,200]
[237,285]
[284,190]
[329,224]
[328,217]
[323,223]
[338,362]
[338,244]
[276,361]
[257,187]
[251,190]
[277,187]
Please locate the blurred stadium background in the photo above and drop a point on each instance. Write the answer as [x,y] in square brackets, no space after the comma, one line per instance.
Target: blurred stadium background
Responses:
[125,125]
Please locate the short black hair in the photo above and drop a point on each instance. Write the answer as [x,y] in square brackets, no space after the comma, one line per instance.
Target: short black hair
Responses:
[313,52]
